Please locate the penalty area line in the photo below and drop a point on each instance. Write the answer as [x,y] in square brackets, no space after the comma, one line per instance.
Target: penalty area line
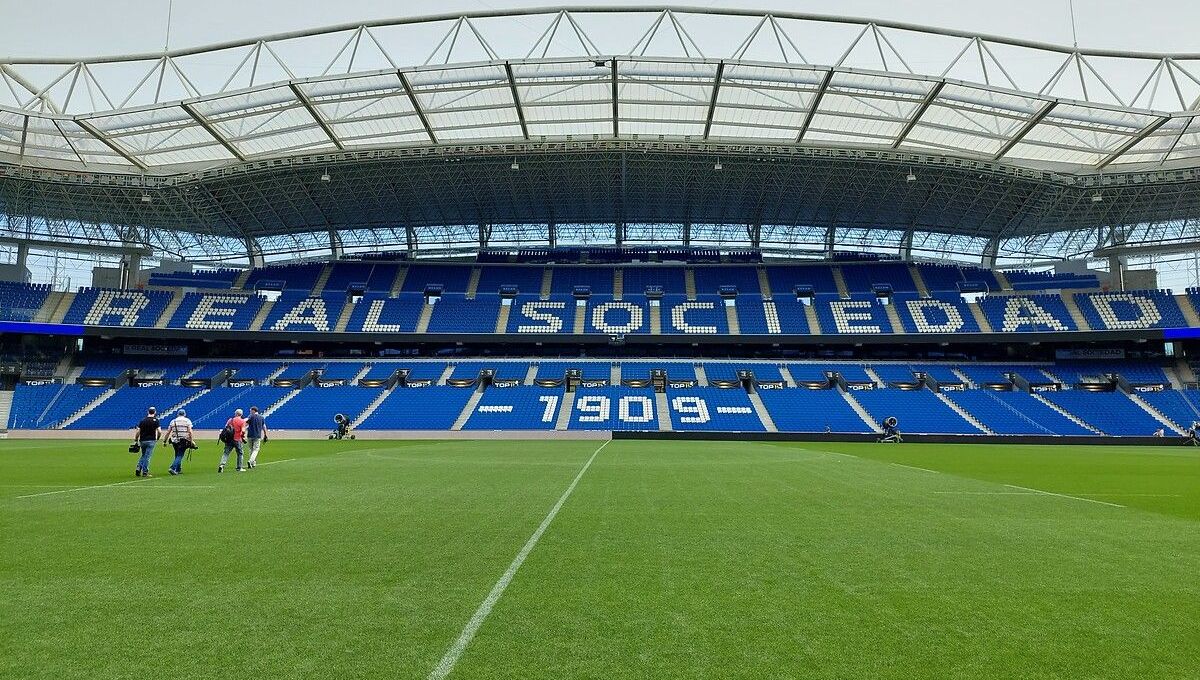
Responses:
[1063,495]
[144,482]
[914,467]
[446,665]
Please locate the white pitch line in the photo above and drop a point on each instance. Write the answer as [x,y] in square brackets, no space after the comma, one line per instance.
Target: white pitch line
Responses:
[914,467]
[992,493]
[446,665]
[285,460]
[105,486]
[1063,495]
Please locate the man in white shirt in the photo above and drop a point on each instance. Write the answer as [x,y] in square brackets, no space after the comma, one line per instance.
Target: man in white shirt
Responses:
[179,434]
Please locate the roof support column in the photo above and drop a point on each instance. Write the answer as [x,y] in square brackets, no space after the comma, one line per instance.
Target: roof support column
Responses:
[906,245]
[335,244]
[619,233]
[990,251]
[754,231]
[830,239]
[410,238]
[254,252]
[552,234]
[22,255]
[485,235]
[687,233]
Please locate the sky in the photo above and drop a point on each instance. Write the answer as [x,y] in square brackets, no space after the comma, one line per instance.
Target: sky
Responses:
[59,28]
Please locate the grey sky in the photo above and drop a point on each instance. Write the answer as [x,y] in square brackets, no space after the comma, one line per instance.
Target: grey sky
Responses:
[78,28]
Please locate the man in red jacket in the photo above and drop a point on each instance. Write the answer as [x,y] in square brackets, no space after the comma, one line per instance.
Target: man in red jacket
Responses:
[237,425]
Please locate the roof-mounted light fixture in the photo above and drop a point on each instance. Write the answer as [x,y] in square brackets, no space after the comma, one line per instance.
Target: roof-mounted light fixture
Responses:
[1097,197]
[325,177]
[911,176]
[717,165]
[515,165]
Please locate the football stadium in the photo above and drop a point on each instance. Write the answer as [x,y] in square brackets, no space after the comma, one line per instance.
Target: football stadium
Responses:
[601,342]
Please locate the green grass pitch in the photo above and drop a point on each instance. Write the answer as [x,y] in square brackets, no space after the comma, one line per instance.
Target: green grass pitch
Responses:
[667,560]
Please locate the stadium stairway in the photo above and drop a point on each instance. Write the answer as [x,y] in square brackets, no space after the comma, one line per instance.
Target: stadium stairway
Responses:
[980,318]
[65,300]
[1077,316]
[760,409]
[1184,370]
[344,318]
[87,408]
[564,411]
[445,376]
[1002,279]
[547,283]
[689,283]
[764,284]
[1188,309]
[48,306]
[1155,413]
[371,407]
[170,309]
[468,409]
[362,373]
[893,316]
[655,319]
[786,374]
[919,280]
[839,280]
[580,319]
[322,279]
[964,378]
[731,318]
[286,398]
[240,282]
[965,414]
[614,374]
[191,372]
[423,319]
[502,317]
[879,382]
[473,283]
[530,374]
[1065,413]
[6,399]
[662,404]
[398,282]
[261,317]
[275,374]
[858,408]
[814,321]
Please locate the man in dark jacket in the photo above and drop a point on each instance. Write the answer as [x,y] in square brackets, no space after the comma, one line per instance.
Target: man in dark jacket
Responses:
[146,436]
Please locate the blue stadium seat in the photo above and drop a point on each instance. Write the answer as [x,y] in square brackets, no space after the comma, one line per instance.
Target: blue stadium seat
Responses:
[919,411]
[805,410]
[1182,407]
[616,317]
[314,407]
[861,314]
[453,277]
[1027,313]
[376,312]
[210,410]
[453,313]
[527,279]
[599,278]
[21,300]
[712,409]
[1015,413]
[419,408]
[940,314]
[614,408]
[112,307]
[216,311]
[703,316]
[516,408]
[44,406]
[709,278]
[1116,310]
[298,312]
[1113,413]
[128,405]
[298,279]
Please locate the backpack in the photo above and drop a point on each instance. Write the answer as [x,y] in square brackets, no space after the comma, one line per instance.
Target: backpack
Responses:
[226,436]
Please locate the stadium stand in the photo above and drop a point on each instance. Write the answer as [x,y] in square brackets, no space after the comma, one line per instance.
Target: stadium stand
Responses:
[418,408]
[128,405]
[1015,413]
[21,300]
[919,411]
[712,409]
[111,307]
[804,410]
[1113,413]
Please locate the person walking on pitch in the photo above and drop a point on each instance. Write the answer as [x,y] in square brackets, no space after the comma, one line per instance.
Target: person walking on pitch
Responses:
[232,436]
[179,434]
[256,434]
[146,436]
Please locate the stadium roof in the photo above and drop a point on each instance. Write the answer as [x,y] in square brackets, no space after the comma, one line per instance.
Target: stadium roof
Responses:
[610,113]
